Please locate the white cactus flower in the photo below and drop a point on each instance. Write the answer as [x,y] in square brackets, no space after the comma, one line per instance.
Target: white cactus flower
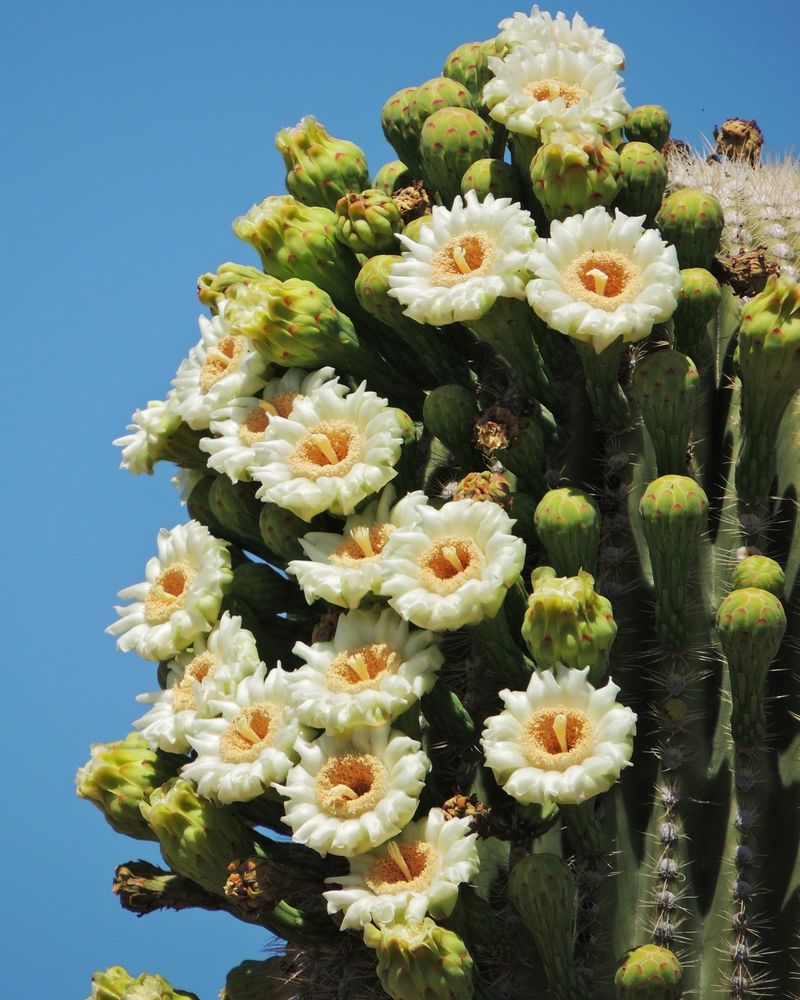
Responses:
[562,740]
[251,745]
[454,567]
[416,874]
[211,670]
[540,31]
[539,92]
[598,278]
[464,259]
[374,669]
[150,428]
[238,428]
[331,452]
[347,796]
[343,569]
[180,597]
[219,368]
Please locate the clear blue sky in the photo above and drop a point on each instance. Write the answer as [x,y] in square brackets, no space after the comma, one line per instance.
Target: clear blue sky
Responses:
[134,134]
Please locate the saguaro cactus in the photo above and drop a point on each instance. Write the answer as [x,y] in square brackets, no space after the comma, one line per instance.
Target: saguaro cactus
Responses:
[489,595]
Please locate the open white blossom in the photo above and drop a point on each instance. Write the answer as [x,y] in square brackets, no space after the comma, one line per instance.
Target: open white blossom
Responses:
[347,796]
[373,669]
[238,428]
[454,567]
[180,597]
[220,367]
[331,452]
[540,31]
[536,92]
[599,278]
[466,258]
[562,740]
[211,670]
[416,874]
[150,428]
[251,745]
[343,569]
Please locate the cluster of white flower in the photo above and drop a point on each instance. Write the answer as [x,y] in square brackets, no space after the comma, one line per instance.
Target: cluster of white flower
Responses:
[403,569]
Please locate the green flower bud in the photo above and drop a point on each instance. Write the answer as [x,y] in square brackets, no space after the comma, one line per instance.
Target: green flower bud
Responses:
[698,302]
[441,364]
[295,323]
[392,177]
[212,289]
[568,524]
[299,241]
[435,94]
[644,178]
[649,973]
[252,980]
[272,593]
[751,624]
[674,514]
[117,984]
[760,572]
[198,506]
[572,173]
[667,388]
[367,222]
[121,775]
[468,65]
[281,531]
[320,168]
[542,890]
[452,139]
[523,508]
[449,414]
[400,129]
[198,839]
[421,961]
[692,220]
[235,507]
[411,229]
[648,123]
[488,176]
[568,622]
[769,366]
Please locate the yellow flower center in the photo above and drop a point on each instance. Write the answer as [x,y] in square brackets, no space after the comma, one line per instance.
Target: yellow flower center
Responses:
[404,866]
[331,448]
[200,667]
[551,90]
[449,563]
[350,785]
[605,278]
[556,738]
[460,258]
[168,593]
[221,359]
[251,731]
[355,669]
[364,544]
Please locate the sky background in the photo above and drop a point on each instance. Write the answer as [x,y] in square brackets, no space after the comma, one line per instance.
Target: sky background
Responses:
[134,134]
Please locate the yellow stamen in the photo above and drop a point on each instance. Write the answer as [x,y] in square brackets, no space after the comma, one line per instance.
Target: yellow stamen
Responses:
[244,727]
[396,855]
[342,792]
[450,554]
[600,279]
[325,446]
[560,730]
[460,259]
[361,536]
[357,663]
[269,408]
